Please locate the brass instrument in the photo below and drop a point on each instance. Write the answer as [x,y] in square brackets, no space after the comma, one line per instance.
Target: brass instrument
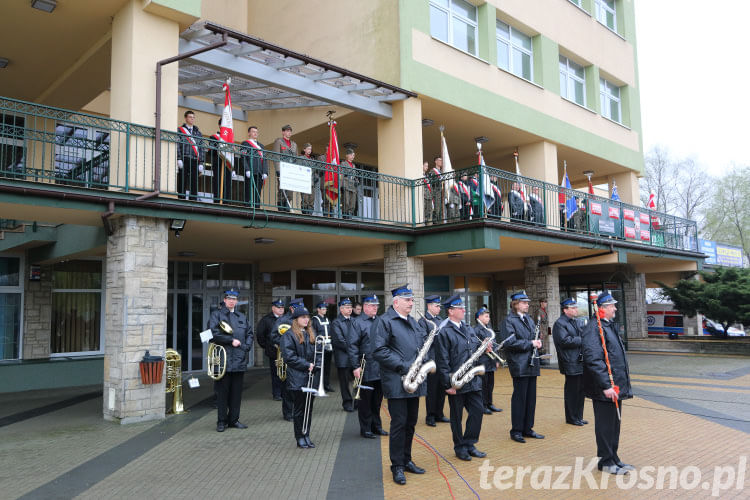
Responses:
[358,381]
[418,370]
[492,354]
[320,343]
[216,359]
[280,365]
[174,380]
[468,371]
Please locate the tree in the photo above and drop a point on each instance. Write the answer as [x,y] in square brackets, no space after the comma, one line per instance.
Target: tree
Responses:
[728,213]
[723,295]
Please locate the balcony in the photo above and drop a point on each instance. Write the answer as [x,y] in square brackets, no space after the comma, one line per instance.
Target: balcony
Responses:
[45,149]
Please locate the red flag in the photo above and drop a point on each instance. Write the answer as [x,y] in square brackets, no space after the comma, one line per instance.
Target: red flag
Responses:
[225,129]
[591,187]
[655,222]
[331,179]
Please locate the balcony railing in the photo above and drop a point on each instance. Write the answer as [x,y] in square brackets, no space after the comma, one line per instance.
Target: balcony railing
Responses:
[54,146]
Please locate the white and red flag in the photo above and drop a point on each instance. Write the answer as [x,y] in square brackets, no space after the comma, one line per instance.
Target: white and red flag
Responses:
[331,179]
[651,205]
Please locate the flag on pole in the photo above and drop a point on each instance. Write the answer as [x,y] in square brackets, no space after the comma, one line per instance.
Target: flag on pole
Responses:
[489,195]
[518,173]
[591,187]
[655,222]
[447,167]
[225,129]
[331,178]
[571,204]
[615,196]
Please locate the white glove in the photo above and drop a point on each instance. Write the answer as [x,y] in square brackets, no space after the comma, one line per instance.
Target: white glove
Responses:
[453,205]
[445,201]
[200,168]
[234,175]
[265,176]
[248,173]
[179,163]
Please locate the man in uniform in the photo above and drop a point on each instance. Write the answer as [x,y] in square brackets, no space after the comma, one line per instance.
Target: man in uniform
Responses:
[523,366]
[280,327]
[265,325]
[349,182]
[398,340]
[190,155]
[286,146]
[321,326]
[370,425]
[481,330]
[437,189]
[516,203]
[308,200]
[237,344]
[435,401]
[598,383]
[221,168]
[428,203]
[255,170]
[537,207]
[342,333]
[567,336]
[455,345]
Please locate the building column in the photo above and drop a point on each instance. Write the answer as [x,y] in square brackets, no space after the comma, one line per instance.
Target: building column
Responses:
[627,187]
[37,314]
[543,282]
[135,317]
[539,161]
[634,292]
[263,297]
[400,269]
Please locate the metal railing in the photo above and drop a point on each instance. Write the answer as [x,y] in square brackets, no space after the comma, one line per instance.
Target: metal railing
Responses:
[54,146]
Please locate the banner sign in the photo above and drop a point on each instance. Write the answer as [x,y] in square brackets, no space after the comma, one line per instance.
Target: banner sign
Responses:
[295,178]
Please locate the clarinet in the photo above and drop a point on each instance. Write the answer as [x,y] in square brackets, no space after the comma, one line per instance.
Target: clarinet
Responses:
[535,354]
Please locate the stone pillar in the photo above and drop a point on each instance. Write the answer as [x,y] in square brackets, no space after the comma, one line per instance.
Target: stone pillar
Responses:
[263,298]
[37,314]
[635,304]
[538,160]
[400,269]
[543,282]
[627,187]
[135,317]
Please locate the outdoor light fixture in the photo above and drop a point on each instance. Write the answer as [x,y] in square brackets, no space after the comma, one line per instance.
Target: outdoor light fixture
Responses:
[3,62]
[351,145]
[455,255]
[481,139]
[588,173]
[264,241]
[426,122]
[177,225]
[44,5]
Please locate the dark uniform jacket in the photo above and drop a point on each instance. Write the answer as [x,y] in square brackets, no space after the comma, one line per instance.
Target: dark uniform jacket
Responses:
[362,344]
[454,347]
[397,343]
[428,328]
[567,336]
[519,349]
[342,336]
[482,333]
[241,330]
[252,161]
[537,209]
[516,205]
[265,325]
[595,374]
[284,319]
[185,146]
[298,358]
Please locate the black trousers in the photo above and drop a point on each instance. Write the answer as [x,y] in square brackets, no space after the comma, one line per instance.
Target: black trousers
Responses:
[346,378]
[574,398]
[523,404]
[369,407]
[221,172]
[607,430]
[253,188]
[464,440]
[404,413]
[435,396]
[327,362]
[275,380]
[187,178]
[299,413]
[488,385]
[287,401]
[229,397]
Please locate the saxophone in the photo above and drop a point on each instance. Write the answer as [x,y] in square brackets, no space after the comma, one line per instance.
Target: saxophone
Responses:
[468,371]
[418,371]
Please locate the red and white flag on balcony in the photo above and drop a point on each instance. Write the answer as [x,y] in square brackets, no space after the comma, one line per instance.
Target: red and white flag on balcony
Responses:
[447,167]
[655,222]
[518,173]
[226,132]
[331,178]
[488,195]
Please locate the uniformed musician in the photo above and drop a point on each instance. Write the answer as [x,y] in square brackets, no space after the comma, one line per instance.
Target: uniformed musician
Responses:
[342,332]
[435,401]
[284,322]
[481,330]
[322,327]
[265,325]
[567,336]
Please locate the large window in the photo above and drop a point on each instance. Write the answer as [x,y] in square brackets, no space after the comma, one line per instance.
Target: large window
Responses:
[606,13]
[454,22]
[514,52]
[572,81]
[76,307]
[11,144]
[610,96]
[81,154]
[11,291]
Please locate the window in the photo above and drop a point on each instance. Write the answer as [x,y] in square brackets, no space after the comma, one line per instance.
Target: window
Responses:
[606,13]
[11,144]
[81,155]
[454,22]
[610,95]
[514,52]
[576,2]
[572,81]
[11,291]
[76,307]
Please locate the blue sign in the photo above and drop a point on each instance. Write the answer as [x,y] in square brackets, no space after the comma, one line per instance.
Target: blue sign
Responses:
[720,254]
[709,248]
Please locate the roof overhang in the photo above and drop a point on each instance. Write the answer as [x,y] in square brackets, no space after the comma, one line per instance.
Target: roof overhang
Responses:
[266,76]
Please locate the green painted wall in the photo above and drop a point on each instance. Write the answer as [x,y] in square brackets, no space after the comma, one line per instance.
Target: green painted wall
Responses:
[51,374]
[190,7]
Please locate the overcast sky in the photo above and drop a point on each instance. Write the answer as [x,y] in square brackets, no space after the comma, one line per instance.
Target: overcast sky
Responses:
[695,79]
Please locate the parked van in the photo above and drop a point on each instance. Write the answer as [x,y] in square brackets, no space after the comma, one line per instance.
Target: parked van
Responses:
[664,320]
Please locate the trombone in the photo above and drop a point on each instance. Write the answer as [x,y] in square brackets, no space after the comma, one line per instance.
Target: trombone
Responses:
[358,381]
[320,343]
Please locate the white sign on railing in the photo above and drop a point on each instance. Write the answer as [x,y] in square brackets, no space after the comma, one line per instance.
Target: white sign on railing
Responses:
[295,178]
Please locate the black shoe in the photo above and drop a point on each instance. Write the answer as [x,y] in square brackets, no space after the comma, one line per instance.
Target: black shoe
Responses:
[495,408]
[380,432]
[348,408]
[301,443]
[613,469]
[533,434]
[289,418]
[463,455]
[626,467]
[487,411]
[238,425]
[220,427]
[368,435]
[476,453]
[430,421]
[310,444]
[277,398]
[412,467]
[584,422]
[329,389]
[518,438]
[574,422]
[398,475]
[443,419]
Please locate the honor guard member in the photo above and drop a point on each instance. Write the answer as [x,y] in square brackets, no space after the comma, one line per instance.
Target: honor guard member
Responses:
[286,146]
[567,336]
[279,328]
[516,203]
[463,184]
[455,345]
[482,317]
[537,207]
[436,183]
[322,327]
[190,154]
[263,329]
[523,366]
[298,348]
[398,340]
[342,335]
[598,385]
[370,425]
[435,401]
[255,170]
[307,201]
[237,344]
[348,185]
[428,202]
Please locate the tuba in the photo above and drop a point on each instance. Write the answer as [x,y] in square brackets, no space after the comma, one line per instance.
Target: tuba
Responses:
[280,365]
[468,371]
[174,380]
[418,370]
[216,360]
